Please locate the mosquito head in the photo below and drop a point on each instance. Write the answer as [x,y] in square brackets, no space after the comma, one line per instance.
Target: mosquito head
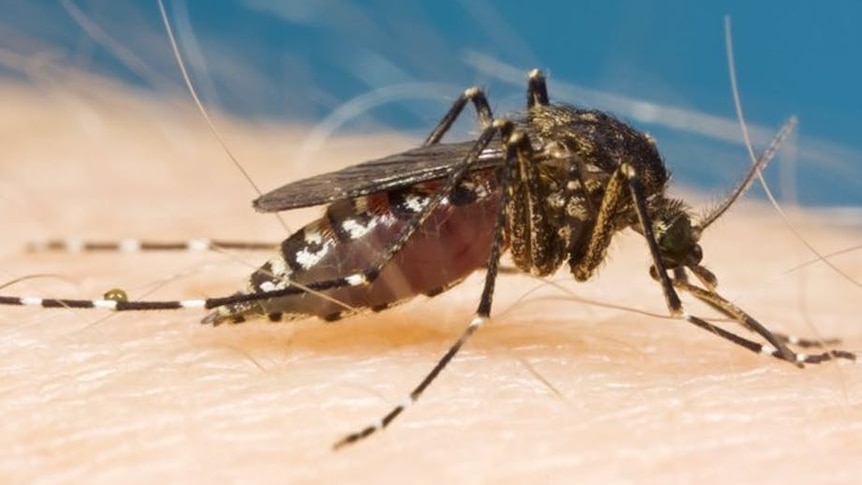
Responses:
[676,237]
[677,240]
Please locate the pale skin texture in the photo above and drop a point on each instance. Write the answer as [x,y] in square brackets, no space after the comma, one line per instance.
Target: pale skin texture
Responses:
[88,395]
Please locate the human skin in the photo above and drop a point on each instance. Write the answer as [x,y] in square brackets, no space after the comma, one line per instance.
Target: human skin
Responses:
[553,389]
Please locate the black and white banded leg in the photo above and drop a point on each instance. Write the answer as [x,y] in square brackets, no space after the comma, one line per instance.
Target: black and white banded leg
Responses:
[71,245]
[738,315]
[515,144]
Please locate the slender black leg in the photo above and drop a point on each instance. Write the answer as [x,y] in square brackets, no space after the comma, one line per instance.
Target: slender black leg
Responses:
[483,110]
[517,147]
[727,308]
[537,94]
[537,90]
[137,245]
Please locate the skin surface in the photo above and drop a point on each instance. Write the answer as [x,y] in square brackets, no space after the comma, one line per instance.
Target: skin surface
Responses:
[553,389]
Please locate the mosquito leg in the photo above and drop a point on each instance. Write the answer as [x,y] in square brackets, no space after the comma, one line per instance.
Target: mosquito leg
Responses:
[474,95]
[515,146]
[737,314]
[806,343]
[537,94]
[583,262]
[532,228]
[783,338]
[136,246]
[798,358]
[537,90]
[584,259]
[680,274]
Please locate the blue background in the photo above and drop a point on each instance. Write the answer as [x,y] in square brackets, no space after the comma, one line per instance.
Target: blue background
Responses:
[301,60]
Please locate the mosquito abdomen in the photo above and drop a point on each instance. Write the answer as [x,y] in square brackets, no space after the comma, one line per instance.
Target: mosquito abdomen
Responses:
[453,242]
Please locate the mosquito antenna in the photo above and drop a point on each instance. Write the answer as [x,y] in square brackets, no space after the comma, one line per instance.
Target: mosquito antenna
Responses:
[737,100]
[202,109]
[759,163]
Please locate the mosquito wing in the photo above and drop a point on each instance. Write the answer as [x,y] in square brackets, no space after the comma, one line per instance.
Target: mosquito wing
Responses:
[395,171]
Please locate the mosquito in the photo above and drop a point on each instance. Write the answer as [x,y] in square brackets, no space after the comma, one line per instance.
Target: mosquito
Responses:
[551,186]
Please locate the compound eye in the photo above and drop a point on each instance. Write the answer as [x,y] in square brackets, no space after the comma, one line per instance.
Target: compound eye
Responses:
[696,254]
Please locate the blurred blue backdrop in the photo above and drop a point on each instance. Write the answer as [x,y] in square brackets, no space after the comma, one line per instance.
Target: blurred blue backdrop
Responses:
[660,65]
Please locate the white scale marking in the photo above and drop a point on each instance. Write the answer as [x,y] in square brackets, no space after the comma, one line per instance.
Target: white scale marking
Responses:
[130,246]
[105,304]
[415,203]
[767,349]
[313,236]
[199,244]
[356,279]
[74,245]
[31,301]
[193,303]
[355,229]
[308,259]
[478,322]
[278,267]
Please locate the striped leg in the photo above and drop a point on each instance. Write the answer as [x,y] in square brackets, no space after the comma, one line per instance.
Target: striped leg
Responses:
[716,301]
[517,145]
[136,246]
